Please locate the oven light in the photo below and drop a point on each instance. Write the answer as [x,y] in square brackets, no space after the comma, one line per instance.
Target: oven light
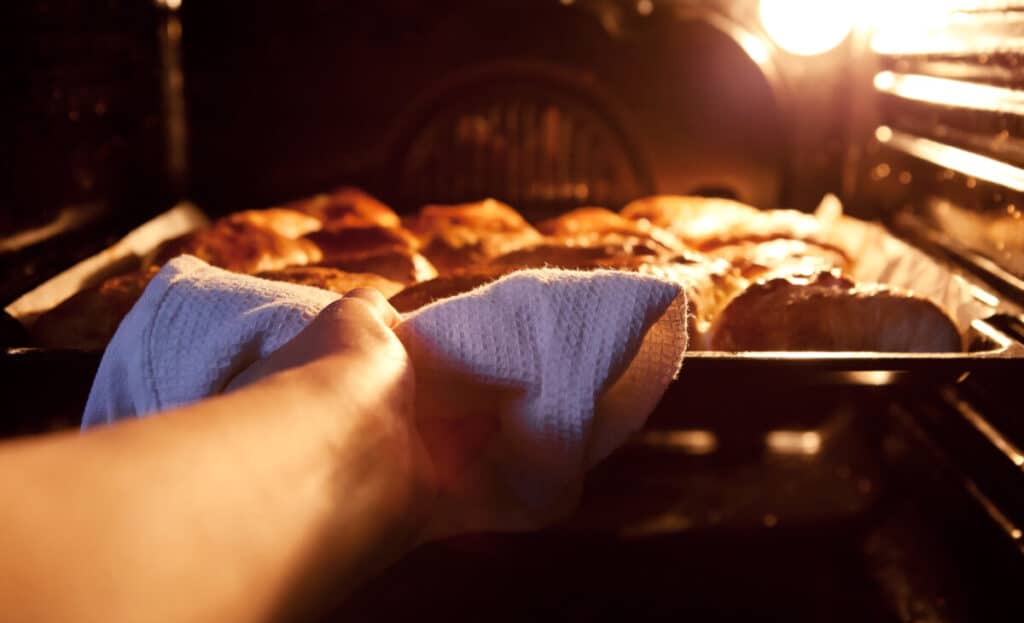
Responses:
[754,47]
[806,442]
[807,27]
[695,442]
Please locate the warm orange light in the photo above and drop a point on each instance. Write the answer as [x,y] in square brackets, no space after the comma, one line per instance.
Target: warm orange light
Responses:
[807,27]
[950,92]
[754,48]
[960,160]
[806,442]
[696,442]
[924,26]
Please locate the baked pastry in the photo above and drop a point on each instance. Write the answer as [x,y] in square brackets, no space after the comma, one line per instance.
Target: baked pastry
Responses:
[346,207]
[420,294]
[465,236]
[556,254]
[755,280]
[599,226]
[709,284]
[333,279]
[827,312]
[487,216]
[339,243]
[706,223]
[88,320]
[240,247]
[282,221]
[401,265]
[755,259]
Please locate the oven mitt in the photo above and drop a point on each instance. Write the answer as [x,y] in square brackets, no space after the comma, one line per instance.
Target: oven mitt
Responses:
[586,355]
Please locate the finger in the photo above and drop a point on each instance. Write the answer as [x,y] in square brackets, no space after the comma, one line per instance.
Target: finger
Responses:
[380,306]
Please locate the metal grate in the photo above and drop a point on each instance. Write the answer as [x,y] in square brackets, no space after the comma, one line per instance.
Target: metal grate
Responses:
[950,137]
[540,145]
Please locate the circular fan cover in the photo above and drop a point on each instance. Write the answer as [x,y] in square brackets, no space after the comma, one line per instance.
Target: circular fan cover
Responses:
[540,145]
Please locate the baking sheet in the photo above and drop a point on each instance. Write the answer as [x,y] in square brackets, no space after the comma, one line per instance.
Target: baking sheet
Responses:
[122,256]
[880,258]
[884,259]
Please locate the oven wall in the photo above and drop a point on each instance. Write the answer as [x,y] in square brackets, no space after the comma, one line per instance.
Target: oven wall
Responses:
[283,103]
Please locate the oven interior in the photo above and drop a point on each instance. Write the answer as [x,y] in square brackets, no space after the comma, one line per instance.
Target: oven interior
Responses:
[763,488]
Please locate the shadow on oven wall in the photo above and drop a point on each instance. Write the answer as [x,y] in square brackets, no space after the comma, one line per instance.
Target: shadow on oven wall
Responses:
[545,104]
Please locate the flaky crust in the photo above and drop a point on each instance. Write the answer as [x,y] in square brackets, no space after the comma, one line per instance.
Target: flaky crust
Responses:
[442,287]
[346,207]
[88,320]
[336,244]
[467,236]
[401,265]
[827,312]
[240,247]
[333,279]
[755,280]
[281,221]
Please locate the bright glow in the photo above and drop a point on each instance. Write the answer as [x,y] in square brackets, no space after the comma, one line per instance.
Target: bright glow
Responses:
[884,80]
[875,378]
[807,27]
[938,26]
[951,92]
[696,442]
[754,48]
[883,133]
[794,441]
[961,160]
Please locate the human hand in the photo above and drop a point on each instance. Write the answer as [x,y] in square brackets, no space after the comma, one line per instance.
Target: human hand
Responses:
[449,421]
[357,384]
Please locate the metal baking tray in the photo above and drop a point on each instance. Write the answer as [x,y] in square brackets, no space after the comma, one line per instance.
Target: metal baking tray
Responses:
[994,343]
[29,375]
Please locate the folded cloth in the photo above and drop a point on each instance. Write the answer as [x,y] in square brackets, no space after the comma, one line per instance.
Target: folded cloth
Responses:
[588,353]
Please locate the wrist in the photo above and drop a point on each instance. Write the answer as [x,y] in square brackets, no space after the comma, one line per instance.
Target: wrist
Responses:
[379,473]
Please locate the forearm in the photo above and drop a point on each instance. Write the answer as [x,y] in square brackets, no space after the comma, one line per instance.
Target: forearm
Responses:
[227,510]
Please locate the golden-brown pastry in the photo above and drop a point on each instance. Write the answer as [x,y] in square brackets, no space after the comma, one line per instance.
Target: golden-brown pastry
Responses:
[706,223]
[596,226]
[756,259]
[421,294]
[333,279]
[346,207]
[826,312]
[709,284]
[282,221]
[554,254]
[489,215]
[240,247]
[338,244]
[88,320]
[401,265]
[464,236]
[692,219]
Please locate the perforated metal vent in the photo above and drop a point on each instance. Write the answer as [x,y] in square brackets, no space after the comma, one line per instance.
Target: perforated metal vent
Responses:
[533,139]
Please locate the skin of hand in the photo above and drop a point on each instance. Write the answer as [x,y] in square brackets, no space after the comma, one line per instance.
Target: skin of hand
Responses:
[269,502]
[318,466]
[451,419]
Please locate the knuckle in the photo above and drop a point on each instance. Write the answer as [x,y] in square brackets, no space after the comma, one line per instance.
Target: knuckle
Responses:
[366,293]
